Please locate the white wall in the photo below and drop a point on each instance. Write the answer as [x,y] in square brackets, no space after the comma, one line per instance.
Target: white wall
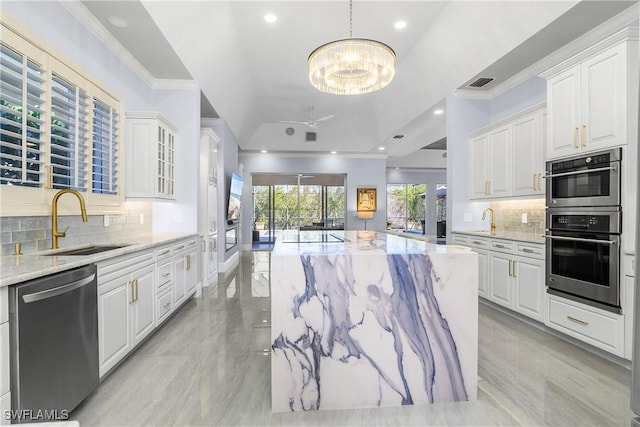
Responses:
[361,172]
[431,179]
[52,25]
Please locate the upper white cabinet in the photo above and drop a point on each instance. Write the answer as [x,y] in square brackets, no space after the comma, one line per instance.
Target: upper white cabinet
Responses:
[588,97]
[528,154]
[507,158]
[150,161]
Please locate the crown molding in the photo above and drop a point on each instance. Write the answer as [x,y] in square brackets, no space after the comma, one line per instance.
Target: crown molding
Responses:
[595,39]
[91,23]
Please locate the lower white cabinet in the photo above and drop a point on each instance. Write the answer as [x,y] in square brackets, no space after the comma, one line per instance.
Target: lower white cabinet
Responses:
[5,379]
[191,267]
[126,306]
[517,283]
[212,261]
[179,279]
[599,328]
[5,405]
[483,283]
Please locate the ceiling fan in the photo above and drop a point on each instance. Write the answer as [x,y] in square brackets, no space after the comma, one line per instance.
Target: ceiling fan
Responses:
[312,123]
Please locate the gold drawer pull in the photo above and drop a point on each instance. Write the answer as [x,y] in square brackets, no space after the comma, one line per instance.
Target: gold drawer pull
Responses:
[192,243]
[500,246]
[527,250]
[166,274]
[580,321]
[477,243]
[179,247]
[575,137]
[167,305]
[164,252]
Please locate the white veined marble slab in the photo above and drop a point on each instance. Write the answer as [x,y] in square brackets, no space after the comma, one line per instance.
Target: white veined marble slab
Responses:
[378,320]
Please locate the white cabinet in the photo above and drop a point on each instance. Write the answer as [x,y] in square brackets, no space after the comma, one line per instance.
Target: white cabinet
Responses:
[479,245]
[126,306]
[528,154]
[191,266]
[588,98]
[599,328]
[150,160]
[517,282]
[479,167]
[212,265]
[507,158]
[628,301]
[212,206]
[179,280]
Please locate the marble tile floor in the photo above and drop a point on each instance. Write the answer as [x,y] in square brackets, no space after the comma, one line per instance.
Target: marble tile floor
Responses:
[210,366]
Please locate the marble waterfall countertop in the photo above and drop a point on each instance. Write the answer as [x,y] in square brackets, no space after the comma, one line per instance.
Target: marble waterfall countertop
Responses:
[365,319]
[19,268]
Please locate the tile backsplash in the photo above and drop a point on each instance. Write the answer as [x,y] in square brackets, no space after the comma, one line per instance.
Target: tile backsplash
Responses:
[34,232]
[509,216]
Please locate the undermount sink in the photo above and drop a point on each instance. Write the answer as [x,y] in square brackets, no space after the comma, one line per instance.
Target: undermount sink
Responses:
[89,250]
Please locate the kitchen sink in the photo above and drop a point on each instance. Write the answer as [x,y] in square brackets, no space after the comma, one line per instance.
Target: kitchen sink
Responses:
[89,250]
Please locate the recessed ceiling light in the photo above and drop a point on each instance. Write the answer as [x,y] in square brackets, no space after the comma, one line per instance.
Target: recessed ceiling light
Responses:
[118,21]
[333,152]
[381,148]
[438,112]
[397,168]
[263,151]
[400,25]
[270,18]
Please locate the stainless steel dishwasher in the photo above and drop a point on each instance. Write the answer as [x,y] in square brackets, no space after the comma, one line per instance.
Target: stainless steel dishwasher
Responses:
[54,341]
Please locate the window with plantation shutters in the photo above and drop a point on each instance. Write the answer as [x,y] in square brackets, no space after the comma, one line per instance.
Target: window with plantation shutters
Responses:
[104,149]
[21,103]
[68,151]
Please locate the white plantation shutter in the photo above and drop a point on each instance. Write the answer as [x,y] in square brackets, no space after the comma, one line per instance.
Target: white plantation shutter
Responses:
[69,110]
[21,112]
[104,157]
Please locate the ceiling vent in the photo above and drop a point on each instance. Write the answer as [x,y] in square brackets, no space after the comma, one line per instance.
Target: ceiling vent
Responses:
[399,136]
[311,136]
[481,82]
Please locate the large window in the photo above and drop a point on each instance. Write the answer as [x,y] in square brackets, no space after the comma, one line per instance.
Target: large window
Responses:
[57,130]
[406,207]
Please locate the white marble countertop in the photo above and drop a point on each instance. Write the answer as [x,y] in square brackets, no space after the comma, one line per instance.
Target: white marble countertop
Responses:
[354,242]
[19,268]
[521,237]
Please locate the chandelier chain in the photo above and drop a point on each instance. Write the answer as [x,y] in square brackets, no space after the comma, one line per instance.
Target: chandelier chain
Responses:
[350,19]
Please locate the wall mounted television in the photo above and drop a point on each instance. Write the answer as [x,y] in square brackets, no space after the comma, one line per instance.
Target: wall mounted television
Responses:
[235,198]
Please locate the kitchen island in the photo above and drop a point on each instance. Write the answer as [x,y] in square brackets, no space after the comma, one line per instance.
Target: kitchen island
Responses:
[365,319]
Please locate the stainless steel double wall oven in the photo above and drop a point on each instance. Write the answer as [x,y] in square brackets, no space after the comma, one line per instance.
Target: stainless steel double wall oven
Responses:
[584,224]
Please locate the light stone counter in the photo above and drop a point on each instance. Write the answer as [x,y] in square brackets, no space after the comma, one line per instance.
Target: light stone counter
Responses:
[365,319]
[521,237]
[15,269]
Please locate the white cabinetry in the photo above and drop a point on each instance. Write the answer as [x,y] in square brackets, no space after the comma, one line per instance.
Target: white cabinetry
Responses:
[507,158]
[517,281]
[164,284]
[588,97]
[209,206]
[191,266]
[185,267]
[528,154]
[5,394]
[150,159]
[628,298]
[126,306]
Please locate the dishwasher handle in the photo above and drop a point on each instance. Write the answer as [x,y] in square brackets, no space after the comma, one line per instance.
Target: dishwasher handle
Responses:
[38,296]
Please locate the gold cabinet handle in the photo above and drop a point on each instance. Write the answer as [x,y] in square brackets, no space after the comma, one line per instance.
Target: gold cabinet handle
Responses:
[515,269]
[477,242]
[584,130]
[510,274]
[167,305]
[498,245]
[192,243]
[580,321]
[575,137]
[179,247]
[164,252]
[527,250]
[187,259]
[535,181]
[540,182]
[135,281]
[166,274]
[132,299]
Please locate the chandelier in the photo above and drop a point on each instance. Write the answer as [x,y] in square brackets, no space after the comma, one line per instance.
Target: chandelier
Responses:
[351,66]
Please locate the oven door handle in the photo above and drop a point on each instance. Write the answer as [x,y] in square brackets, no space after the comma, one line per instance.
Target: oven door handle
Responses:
[553,175]
[579,239]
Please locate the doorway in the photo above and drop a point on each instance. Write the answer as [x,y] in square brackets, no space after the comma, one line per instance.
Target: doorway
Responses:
[296,202]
